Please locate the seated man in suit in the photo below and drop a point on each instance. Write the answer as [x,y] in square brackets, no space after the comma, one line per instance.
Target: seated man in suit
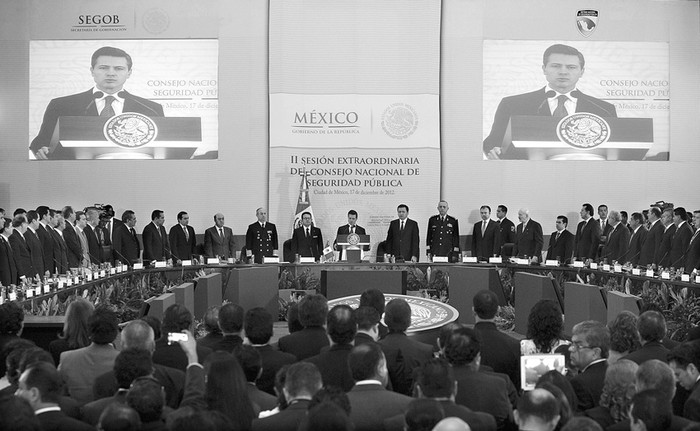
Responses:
[347,229]
[685,362]
[562,66]
[313,310]
[231,325]
[403,354]
[182,238]
[110,68]
[127,247]
[370,402]
[561,242]
[218,240]
[590,345]
[261,238]
[251,363]
[651,326]
[485,235]
[528,237]
[307,240]
[156,246]
[176,319]
[332,362]
[402,238]
[41,385]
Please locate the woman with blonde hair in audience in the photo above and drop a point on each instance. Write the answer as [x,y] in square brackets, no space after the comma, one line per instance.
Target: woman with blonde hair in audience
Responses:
[75,333]
[618,390]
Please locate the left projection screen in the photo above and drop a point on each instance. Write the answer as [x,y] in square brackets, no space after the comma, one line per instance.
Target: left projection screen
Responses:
[166,103]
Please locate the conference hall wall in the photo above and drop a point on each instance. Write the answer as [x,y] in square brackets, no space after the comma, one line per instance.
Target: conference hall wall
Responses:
[640,54]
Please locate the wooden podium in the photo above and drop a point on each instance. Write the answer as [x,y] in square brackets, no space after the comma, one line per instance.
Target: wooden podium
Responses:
[351,249]
[207,293]
[254,286]
[465,282]
[529,289]
[533,137]
[77,138]
[583,302]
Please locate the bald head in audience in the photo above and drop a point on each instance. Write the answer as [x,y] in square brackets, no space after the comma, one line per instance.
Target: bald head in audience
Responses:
[452,424]
[138,334]
[538,410]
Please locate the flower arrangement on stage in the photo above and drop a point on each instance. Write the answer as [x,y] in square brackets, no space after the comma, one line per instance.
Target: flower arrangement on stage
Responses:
[431,284]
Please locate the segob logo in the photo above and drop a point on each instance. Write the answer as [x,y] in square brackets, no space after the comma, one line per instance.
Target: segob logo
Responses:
[130,130]
[399,120]
[583,130]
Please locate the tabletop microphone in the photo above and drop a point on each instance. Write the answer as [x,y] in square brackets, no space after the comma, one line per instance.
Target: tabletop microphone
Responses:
[545,102]
[96,95]
[126,261]
[126,96]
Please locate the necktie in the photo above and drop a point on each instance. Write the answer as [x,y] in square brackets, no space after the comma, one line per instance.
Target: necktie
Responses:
[307,232]
[557,238]
[108,110]
[133,232]
[352,229]
[483,228]
[560,111]
[401,229]
[221,233]
[187,233]
[263,225]
[694,235]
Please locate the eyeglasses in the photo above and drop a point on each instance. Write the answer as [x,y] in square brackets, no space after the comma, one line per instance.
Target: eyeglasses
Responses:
[578,346]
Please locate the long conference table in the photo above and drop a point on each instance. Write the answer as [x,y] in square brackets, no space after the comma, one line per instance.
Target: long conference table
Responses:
[580,292]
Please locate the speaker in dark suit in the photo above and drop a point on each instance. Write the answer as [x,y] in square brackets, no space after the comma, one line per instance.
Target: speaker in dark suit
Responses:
[652,242]
[402,238]
[528,237]
[155,239]
[485,236]
[182,238]
[307,240]
[561,242]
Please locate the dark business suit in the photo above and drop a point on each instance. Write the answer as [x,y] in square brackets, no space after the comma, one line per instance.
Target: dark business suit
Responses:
[406,243]
[562,248]
[403,356]
[105,243]
[485,246]
[93,245]
[127,248]
[36,251]
[588,385]
[172,381]
[634,250]
[663,254]
[155,243]
[651,243]
[272,361]
[679,244]
[333,365]
[23,257]
[691,408]
[484,392]
[171,355]
[60,252]
[587,239]
[286,420]
[650,350]
[215,245]
[261,242]
[371,404]
[477,421]
[535,103]
[81,105]
[345,230]
[58,421]
[307,246]
[530,241]
[47,246]
[443,236]
[692,255]
[305,343]
[506,233]
[615,247]
[8,267]
[74,249]
[181,247]
[499,351]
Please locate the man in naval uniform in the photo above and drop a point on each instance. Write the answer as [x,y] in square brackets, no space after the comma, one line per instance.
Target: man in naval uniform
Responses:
[261,237]
[443,234]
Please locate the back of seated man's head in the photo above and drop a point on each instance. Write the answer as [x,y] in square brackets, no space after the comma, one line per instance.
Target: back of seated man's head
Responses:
[423,414]
[653,409]
[231,318]
[485,304]
[303,380]
[40,384]
[397,315]
[651,326]
[341,325]
[250,360]
[34,355]
[119,417]
[131,364]
[138,334]
[373,298]
[16,414]
[147,398]
[331,394]
[537,409]
[293,322]
[103,326]
[313,309]
[258,325]
[445,332]
[367,362]
[176,318]
[657,375]
[462,347]
[328,416]
[12,353]
[211,320]
[452,423]
[436,379]
[367,320]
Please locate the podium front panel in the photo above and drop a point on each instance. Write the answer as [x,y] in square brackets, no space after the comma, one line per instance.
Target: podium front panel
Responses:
[528,290]
[338,284]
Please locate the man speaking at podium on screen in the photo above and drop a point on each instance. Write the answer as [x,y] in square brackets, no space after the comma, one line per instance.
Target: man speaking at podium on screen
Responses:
[562,66]
[110,68]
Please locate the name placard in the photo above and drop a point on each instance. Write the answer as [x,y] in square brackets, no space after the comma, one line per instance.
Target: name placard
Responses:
[89,276]
[440,259]
[47,288]
[60,284]
[665,275]
[650,273]
[498,259]
[229,260]
[307,259]
[30,293]
[697,278]
[102,273]
[578,264]
[617,268]
[186,263]
[468,259]
[522,261]
[138,265]
[636,271]
[594,265]
[685,277]
[160,264]
[212,261]
[606,267]
[112,271]
[271,259]
[551,262]
[13,296]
